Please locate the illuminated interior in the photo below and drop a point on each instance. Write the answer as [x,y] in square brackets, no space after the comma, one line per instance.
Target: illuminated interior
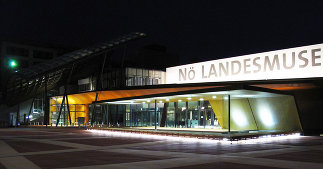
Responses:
[249,111]
[220,111]
[80,103]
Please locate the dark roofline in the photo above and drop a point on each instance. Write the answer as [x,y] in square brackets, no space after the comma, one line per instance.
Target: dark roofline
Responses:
[245,83]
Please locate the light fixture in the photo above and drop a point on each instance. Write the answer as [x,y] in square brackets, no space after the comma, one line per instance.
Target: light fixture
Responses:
[179,100]
[143,102]
[160,101]
[148,101]
[201,99]
[189,98]
[13,63]
[167,99]
[213,97]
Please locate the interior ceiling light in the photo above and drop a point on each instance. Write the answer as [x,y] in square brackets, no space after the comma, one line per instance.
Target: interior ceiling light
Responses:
[213,97]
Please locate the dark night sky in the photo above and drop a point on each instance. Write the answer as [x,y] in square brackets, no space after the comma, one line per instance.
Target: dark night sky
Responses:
[198,30]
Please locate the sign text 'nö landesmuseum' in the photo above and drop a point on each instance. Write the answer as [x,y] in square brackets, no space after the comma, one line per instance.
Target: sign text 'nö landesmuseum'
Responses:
[300,62]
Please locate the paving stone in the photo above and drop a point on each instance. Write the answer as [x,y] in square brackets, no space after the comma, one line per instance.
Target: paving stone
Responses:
[303,141]
[107,141]
[38,146]
[223,165]
[85,158]
[32,146]
[203,148]
[315,156]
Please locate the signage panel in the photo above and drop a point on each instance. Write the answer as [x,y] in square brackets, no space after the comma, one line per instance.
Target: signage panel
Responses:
[300,62]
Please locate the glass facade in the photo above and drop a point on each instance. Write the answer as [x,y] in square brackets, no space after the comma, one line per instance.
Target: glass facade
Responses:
[117,77]
[183,111]
[142,77]
[232,111]
[229,111]
[76,110]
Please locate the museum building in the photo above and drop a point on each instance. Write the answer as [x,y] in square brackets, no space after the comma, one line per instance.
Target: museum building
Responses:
[271,92]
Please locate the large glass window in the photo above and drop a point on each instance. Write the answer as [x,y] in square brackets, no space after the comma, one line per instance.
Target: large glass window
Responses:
[235,111]
[170,120]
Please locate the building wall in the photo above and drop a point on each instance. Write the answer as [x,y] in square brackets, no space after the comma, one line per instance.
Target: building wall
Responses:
[241,115]
[268,113]
[276,113]
[310,107]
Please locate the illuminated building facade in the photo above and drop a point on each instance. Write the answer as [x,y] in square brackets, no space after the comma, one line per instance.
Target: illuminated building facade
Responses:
[230,94]
[275,91]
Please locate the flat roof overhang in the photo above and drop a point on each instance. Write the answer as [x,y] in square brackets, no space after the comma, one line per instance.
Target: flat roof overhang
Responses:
[145,91]
[89,97]
[219,90]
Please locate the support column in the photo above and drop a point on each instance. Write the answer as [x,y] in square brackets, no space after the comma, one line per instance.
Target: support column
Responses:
[164,115]
[94,108]
[175,113]
[156,117]
[18,115]
[68,109]
[87,114]
[46,110]
[229,122]
[107,115]
[60,110]
[130,115]
[186,111]
[31,107]
[46,105]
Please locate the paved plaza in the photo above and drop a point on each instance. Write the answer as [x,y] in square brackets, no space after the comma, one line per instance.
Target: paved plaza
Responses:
[29,148]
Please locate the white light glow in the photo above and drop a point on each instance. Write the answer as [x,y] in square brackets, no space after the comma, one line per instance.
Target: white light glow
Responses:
[262,139]
[167,99]
[189,98]
[213,97]
[201,99]
[239,118]
[266,117]
[179,100]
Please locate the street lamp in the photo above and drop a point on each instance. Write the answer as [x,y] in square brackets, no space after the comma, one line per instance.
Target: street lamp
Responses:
[13,64]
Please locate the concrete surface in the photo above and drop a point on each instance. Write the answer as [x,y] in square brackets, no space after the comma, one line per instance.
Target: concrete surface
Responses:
[80,149]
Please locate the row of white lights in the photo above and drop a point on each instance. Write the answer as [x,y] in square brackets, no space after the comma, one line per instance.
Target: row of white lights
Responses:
[261,139]
[159,98]
[167,99]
